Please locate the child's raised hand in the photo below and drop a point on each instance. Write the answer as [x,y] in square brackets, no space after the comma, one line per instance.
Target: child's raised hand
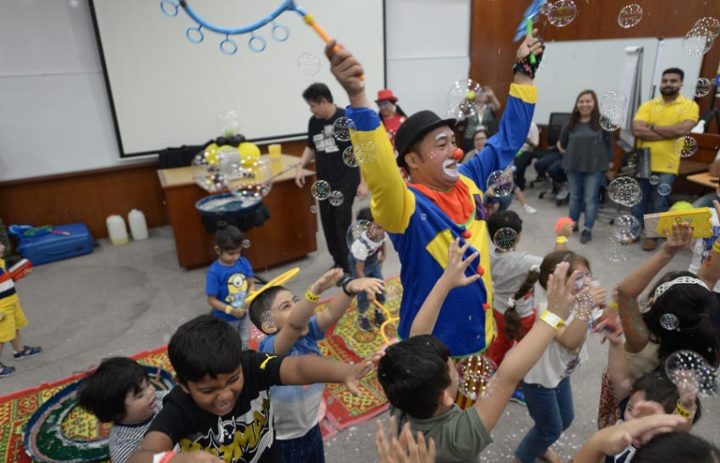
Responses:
[560,290]
[328,280]
[454,273]
[598,294]
[356,373]
[405,450]
[610,330]
[614,439]
[678,238]
[370,286]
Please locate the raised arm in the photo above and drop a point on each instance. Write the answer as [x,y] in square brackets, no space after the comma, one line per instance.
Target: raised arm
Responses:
[340,303]
[311,369]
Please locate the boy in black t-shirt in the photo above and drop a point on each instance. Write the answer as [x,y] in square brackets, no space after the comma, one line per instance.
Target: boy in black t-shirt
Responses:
[221,409]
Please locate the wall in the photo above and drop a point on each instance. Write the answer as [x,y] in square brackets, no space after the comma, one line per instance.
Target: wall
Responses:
[494,22]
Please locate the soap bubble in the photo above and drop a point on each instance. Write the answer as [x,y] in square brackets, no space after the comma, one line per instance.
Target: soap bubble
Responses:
[228,122]
[612,100]
[625,191]
[245,244]
[698,41]
[686,146]
[627,229]
[501,182]
[562,13]
[615,251]
[669,321]
[654,180]
[664,189]
[336,198]
[505,238]
[342,127]
[691,372]
[703,87]
[630,16]
[475,373]
[320,190]
[249,180]
[712,25]
[465,99]
[610,118]
[348,157]
[308,64]
[357,229]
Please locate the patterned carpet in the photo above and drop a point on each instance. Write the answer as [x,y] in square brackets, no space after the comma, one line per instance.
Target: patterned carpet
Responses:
[344,342]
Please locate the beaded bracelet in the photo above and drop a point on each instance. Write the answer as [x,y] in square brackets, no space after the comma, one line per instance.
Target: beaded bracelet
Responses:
[561,239]
[682,411]
[311,297]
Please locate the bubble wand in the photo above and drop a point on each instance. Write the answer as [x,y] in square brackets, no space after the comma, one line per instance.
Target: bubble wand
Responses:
[528,32]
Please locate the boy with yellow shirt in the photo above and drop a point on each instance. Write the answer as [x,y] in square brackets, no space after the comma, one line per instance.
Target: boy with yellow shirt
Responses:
[657,125]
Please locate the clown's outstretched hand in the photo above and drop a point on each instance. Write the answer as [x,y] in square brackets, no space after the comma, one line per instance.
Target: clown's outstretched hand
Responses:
[349,73]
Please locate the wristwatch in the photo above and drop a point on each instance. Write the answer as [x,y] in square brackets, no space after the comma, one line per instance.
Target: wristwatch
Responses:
[344,282]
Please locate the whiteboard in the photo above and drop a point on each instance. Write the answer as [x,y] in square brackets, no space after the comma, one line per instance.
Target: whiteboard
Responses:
[421,65]
[167,91]
[569,67]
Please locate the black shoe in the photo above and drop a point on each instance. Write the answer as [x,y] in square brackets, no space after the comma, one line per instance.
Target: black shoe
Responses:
[379,318]
[585,236]
[364,323]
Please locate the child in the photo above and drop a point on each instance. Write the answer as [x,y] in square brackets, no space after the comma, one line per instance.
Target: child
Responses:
[221,406]
[119,392]
[293,330]
[420,380]
[367,254]
[12,318]
[547,386]
[229,281]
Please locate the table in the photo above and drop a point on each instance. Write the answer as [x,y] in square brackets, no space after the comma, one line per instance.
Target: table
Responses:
[289,234]
[704,179]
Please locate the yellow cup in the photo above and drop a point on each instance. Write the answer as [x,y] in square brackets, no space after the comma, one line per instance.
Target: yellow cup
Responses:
[275,150]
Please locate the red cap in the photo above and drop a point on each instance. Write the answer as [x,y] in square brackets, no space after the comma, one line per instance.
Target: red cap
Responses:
[386,95]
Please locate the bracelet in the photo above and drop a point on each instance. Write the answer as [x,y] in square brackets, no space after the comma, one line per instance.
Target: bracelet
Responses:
[311,297]
[344,285]
[552,319]
[716,246]
[229,308]
[561,239]
[163,457]
[682,411]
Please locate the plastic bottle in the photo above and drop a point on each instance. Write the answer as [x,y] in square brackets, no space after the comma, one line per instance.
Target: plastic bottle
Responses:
[138,225]
[116,229]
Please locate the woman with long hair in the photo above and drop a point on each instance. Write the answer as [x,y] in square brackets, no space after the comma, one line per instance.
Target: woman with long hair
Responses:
[391,113]
[587,155]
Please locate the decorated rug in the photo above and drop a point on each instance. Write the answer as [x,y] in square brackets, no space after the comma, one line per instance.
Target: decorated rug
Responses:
[344,341]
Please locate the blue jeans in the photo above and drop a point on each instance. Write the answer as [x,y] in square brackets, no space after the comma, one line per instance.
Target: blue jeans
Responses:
[658,202]
[552,412]
[240,326]
[306,448]
[584,189]
[373,269]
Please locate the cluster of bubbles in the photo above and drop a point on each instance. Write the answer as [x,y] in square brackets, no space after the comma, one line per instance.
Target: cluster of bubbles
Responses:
[625,191]
[505,238]
[626,229]
[700,38]
[465,99]
[612,105]
[583,305]
[703,87]
[308,64]
[630,16]
[501,182]
[321,190]
[689,371]
[559,13]
[686,146]
[475,372]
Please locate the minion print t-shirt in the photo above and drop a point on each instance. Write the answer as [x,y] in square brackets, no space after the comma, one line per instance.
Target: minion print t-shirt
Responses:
[229,284]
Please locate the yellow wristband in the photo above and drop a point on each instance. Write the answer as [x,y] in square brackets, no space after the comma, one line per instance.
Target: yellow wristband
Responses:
[229,308]
[716,246]
[561,240]
[682,411]
[552,319]
[311,297]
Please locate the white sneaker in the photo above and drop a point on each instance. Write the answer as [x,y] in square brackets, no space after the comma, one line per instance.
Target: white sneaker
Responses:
[529,209]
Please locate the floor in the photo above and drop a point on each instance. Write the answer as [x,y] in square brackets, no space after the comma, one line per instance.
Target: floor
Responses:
[123,299]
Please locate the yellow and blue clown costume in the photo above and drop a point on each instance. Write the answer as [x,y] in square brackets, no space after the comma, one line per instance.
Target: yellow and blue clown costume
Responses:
[421,231]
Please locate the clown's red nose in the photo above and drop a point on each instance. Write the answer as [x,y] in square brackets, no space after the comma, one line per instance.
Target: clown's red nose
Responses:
[458,154]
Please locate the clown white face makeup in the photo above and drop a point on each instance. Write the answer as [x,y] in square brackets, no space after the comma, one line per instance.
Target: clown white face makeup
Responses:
[435,165]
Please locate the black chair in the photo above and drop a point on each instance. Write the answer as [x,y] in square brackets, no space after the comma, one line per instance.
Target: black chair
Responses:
[555,124]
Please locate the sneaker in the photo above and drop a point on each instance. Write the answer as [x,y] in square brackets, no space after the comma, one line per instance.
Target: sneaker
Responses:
[364,323]
[529,209]
[585,236]
[27,352]
[518,397]
[379,318]
[563,192]
[6,371]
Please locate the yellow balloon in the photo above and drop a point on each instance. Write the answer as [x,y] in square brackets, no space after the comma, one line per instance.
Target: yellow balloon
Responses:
[249,153]
[211,155]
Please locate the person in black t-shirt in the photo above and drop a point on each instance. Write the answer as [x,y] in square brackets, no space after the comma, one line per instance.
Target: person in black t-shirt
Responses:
[327,151]
[221,411]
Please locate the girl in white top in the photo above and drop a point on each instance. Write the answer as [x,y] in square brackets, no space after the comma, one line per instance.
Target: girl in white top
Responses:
[547,385]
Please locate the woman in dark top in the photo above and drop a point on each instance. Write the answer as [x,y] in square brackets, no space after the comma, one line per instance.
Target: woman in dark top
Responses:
[587,155]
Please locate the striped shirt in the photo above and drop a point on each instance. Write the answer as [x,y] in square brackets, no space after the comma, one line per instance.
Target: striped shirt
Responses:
[7,285]
[124,438]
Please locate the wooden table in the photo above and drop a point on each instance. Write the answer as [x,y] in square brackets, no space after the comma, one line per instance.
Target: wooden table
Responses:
[704,179]
[288,235]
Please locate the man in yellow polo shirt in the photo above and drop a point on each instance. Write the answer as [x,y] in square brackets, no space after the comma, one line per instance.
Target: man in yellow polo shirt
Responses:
[658,124]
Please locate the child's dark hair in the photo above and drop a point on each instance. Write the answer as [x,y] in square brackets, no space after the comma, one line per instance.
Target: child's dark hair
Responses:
[365,214]
[317,92]
[658,388]
[679,447]
[103,392]
[695,307]
[262,304]
[504,219]
[229,238]
[414,373]
[512,319]
[204,346]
